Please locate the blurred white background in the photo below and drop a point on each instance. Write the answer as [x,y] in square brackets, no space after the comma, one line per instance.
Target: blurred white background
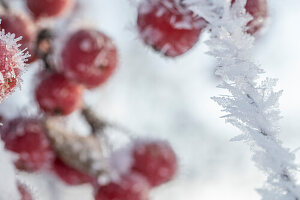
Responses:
[170,99]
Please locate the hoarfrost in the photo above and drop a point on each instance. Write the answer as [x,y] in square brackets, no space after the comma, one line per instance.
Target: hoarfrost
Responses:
[252,105]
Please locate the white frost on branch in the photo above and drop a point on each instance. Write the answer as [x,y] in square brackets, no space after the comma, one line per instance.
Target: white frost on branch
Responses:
[252,105]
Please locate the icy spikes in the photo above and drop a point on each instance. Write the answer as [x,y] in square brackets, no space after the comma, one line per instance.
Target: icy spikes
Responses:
[12,62]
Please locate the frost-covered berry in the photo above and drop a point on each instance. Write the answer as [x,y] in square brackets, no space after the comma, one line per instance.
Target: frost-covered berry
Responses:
[48,8]
[27,138]
[23,26]
[129,187]
[89,57]
[58,95]
[12,62]
[155,160]
[169,26]
[258,9]
[25,195]
[69,175]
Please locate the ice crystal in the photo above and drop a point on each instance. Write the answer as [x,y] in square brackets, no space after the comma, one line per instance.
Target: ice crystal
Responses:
[252,105]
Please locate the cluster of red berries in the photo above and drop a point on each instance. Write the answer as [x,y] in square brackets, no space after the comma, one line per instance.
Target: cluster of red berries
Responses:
[154,162]
[86,60]
[11,57]
[171,28]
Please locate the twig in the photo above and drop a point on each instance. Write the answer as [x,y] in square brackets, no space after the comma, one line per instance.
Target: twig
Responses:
[4,4]
[81,152]
[98,124]
[44,47]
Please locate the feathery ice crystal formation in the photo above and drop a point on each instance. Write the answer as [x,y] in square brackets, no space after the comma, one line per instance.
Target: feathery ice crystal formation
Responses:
[12,62]
[252,105]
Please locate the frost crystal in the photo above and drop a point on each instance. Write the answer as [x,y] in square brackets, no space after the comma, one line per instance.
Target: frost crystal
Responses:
[252,105]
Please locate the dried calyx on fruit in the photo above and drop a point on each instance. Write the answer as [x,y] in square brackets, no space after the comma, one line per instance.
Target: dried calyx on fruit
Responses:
[169,26]
[12,62]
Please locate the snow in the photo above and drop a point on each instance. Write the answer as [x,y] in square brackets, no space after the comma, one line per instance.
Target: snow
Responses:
[8,186]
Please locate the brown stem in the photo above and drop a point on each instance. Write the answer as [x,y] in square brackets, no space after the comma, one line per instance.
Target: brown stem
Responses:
[4,4]
[44,47]
[96,123]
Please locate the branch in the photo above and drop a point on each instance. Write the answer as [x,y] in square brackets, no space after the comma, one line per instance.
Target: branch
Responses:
[252,106]
[81,152]
[98,124]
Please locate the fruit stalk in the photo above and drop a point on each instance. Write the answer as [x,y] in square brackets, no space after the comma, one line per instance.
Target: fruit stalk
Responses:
[4,4]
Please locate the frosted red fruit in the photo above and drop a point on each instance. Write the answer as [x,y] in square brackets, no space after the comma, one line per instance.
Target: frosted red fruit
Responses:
[168,26]
[258,9]
[69,175]
[129,187]
[48,8]
[27,138]
[155,160]
[58,95]
[25,195]
[89,57]
[21,25]
[11,63]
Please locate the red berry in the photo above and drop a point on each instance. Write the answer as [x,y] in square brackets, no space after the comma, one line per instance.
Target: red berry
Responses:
[129,187]
[169,26]
[154,160]
[48,8]
[58,95]
[89,57]
[25,195]
[11,62]
[258,9]
[69,175]
[21,25]
[27,137]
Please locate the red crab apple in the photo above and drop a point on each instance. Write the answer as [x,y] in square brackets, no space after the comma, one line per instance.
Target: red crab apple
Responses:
[27,138]
[48,8]
[21,26]
[69,175]
[12,61]
[154,160]
[169,26]
[89,57]
[129,187]
[58,95]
